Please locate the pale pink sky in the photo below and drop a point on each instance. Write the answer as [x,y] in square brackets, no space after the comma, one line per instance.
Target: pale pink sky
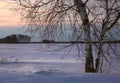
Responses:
[9,21]
[7,16]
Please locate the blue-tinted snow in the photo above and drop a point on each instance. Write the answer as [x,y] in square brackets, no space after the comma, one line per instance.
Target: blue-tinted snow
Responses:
[33,63]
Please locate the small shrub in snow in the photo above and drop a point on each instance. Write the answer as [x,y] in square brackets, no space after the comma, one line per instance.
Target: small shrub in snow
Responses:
[3,60]
[16,60]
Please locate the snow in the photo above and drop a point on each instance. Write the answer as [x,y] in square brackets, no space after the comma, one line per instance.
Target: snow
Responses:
[26,63]
[52,77]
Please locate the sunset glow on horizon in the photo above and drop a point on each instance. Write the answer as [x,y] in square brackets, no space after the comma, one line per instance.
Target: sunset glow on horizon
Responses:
[7,16]
[10,22]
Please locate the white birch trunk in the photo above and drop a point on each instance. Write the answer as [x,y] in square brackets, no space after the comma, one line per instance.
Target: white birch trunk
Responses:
[81,9]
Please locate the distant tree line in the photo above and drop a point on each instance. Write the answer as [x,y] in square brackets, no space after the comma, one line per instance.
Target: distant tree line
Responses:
[16,38]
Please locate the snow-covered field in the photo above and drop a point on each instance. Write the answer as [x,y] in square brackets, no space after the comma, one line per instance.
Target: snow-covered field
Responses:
[30,63]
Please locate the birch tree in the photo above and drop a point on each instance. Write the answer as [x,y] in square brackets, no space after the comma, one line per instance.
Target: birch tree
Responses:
[81,9]
[110,17]
[54,19]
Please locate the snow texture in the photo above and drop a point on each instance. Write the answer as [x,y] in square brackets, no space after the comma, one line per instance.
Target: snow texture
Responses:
[27,63]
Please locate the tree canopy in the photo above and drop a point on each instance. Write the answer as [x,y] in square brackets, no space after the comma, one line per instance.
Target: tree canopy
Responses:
[76,20]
